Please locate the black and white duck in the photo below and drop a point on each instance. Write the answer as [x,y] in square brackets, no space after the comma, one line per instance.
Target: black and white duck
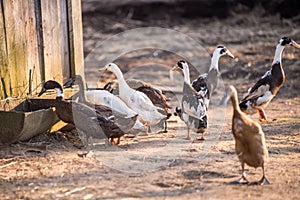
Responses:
[95,123]
[148,113]
[154,94]
[266,88]
[206,83]
[250,145]
[193,110]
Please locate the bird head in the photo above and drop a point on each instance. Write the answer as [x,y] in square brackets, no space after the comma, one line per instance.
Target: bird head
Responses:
[222,51]
[110,67]
[180,65]
[288,41]
[74,80]
[50,85]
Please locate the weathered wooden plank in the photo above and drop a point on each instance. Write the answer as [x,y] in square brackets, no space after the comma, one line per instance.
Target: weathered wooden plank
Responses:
[42,37]
[76,37]
[22,51]
[4,73]
[51,22]
[15,35]
[66,69]
[31,44]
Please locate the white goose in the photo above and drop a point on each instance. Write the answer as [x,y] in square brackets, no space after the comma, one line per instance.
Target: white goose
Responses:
[103,97]
[136,100]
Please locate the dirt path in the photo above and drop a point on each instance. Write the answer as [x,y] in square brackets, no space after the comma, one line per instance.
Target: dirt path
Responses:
[60,173]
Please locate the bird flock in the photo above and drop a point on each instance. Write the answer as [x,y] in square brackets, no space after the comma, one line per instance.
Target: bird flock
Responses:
[135,106]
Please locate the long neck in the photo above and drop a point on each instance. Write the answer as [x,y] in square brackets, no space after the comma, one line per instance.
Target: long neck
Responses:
[59,93]
[186,74]
[121,80]
[235,103]
[215,61]
[278,53]
[81,89]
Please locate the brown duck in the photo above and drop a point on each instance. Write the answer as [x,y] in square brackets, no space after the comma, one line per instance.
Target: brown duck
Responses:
[250,145]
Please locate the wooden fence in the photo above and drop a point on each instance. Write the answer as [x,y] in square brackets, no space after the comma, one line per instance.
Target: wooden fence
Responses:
[39,40]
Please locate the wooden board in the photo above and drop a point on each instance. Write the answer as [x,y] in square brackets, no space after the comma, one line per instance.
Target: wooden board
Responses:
[4,74]
[39,40]
[51,22]
[22,47]
[15,35]
[76,37]
[31,47]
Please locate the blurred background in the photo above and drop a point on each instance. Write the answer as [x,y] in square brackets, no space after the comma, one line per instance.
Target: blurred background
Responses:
[249,28]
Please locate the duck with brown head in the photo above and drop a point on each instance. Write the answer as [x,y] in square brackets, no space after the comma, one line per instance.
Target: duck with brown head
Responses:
[250,145]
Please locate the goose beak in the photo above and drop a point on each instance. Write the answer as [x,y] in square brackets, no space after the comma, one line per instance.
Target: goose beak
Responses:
[69,83]
[230,54]
[102,69]
[295,44]
[174,68]
[42,92]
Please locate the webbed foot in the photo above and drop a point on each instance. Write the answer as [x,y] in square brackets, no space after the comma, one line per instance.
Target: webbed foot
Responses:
[242,180]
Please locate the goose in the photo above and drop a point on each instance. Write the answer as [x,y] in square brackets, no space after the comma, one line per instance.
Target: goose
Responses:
[148,113]
[206,83]
[250,145]
[266,88]
[103,97]
[193,110]
[154,94]
[94,123]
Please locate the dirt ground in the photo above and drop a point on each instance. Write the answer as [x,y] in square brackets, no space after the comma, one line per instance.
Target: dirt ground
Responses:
[165,165]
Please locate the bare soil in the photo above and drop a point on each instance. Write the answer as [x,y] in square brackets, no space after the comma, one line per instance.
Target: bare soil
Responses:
[54,165]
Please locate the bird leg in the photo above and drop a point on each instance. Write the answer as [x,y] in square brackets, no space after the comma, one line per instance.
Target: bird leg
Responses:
[118,141]
[243,179]
[261,112]
[188,134]
[165,127]
[263,180]
[146,124]
[202,137]
[115,142]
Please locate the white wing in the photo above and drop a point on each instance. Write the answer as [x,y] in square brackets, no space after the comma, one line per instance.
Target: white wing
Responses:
[140,101]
